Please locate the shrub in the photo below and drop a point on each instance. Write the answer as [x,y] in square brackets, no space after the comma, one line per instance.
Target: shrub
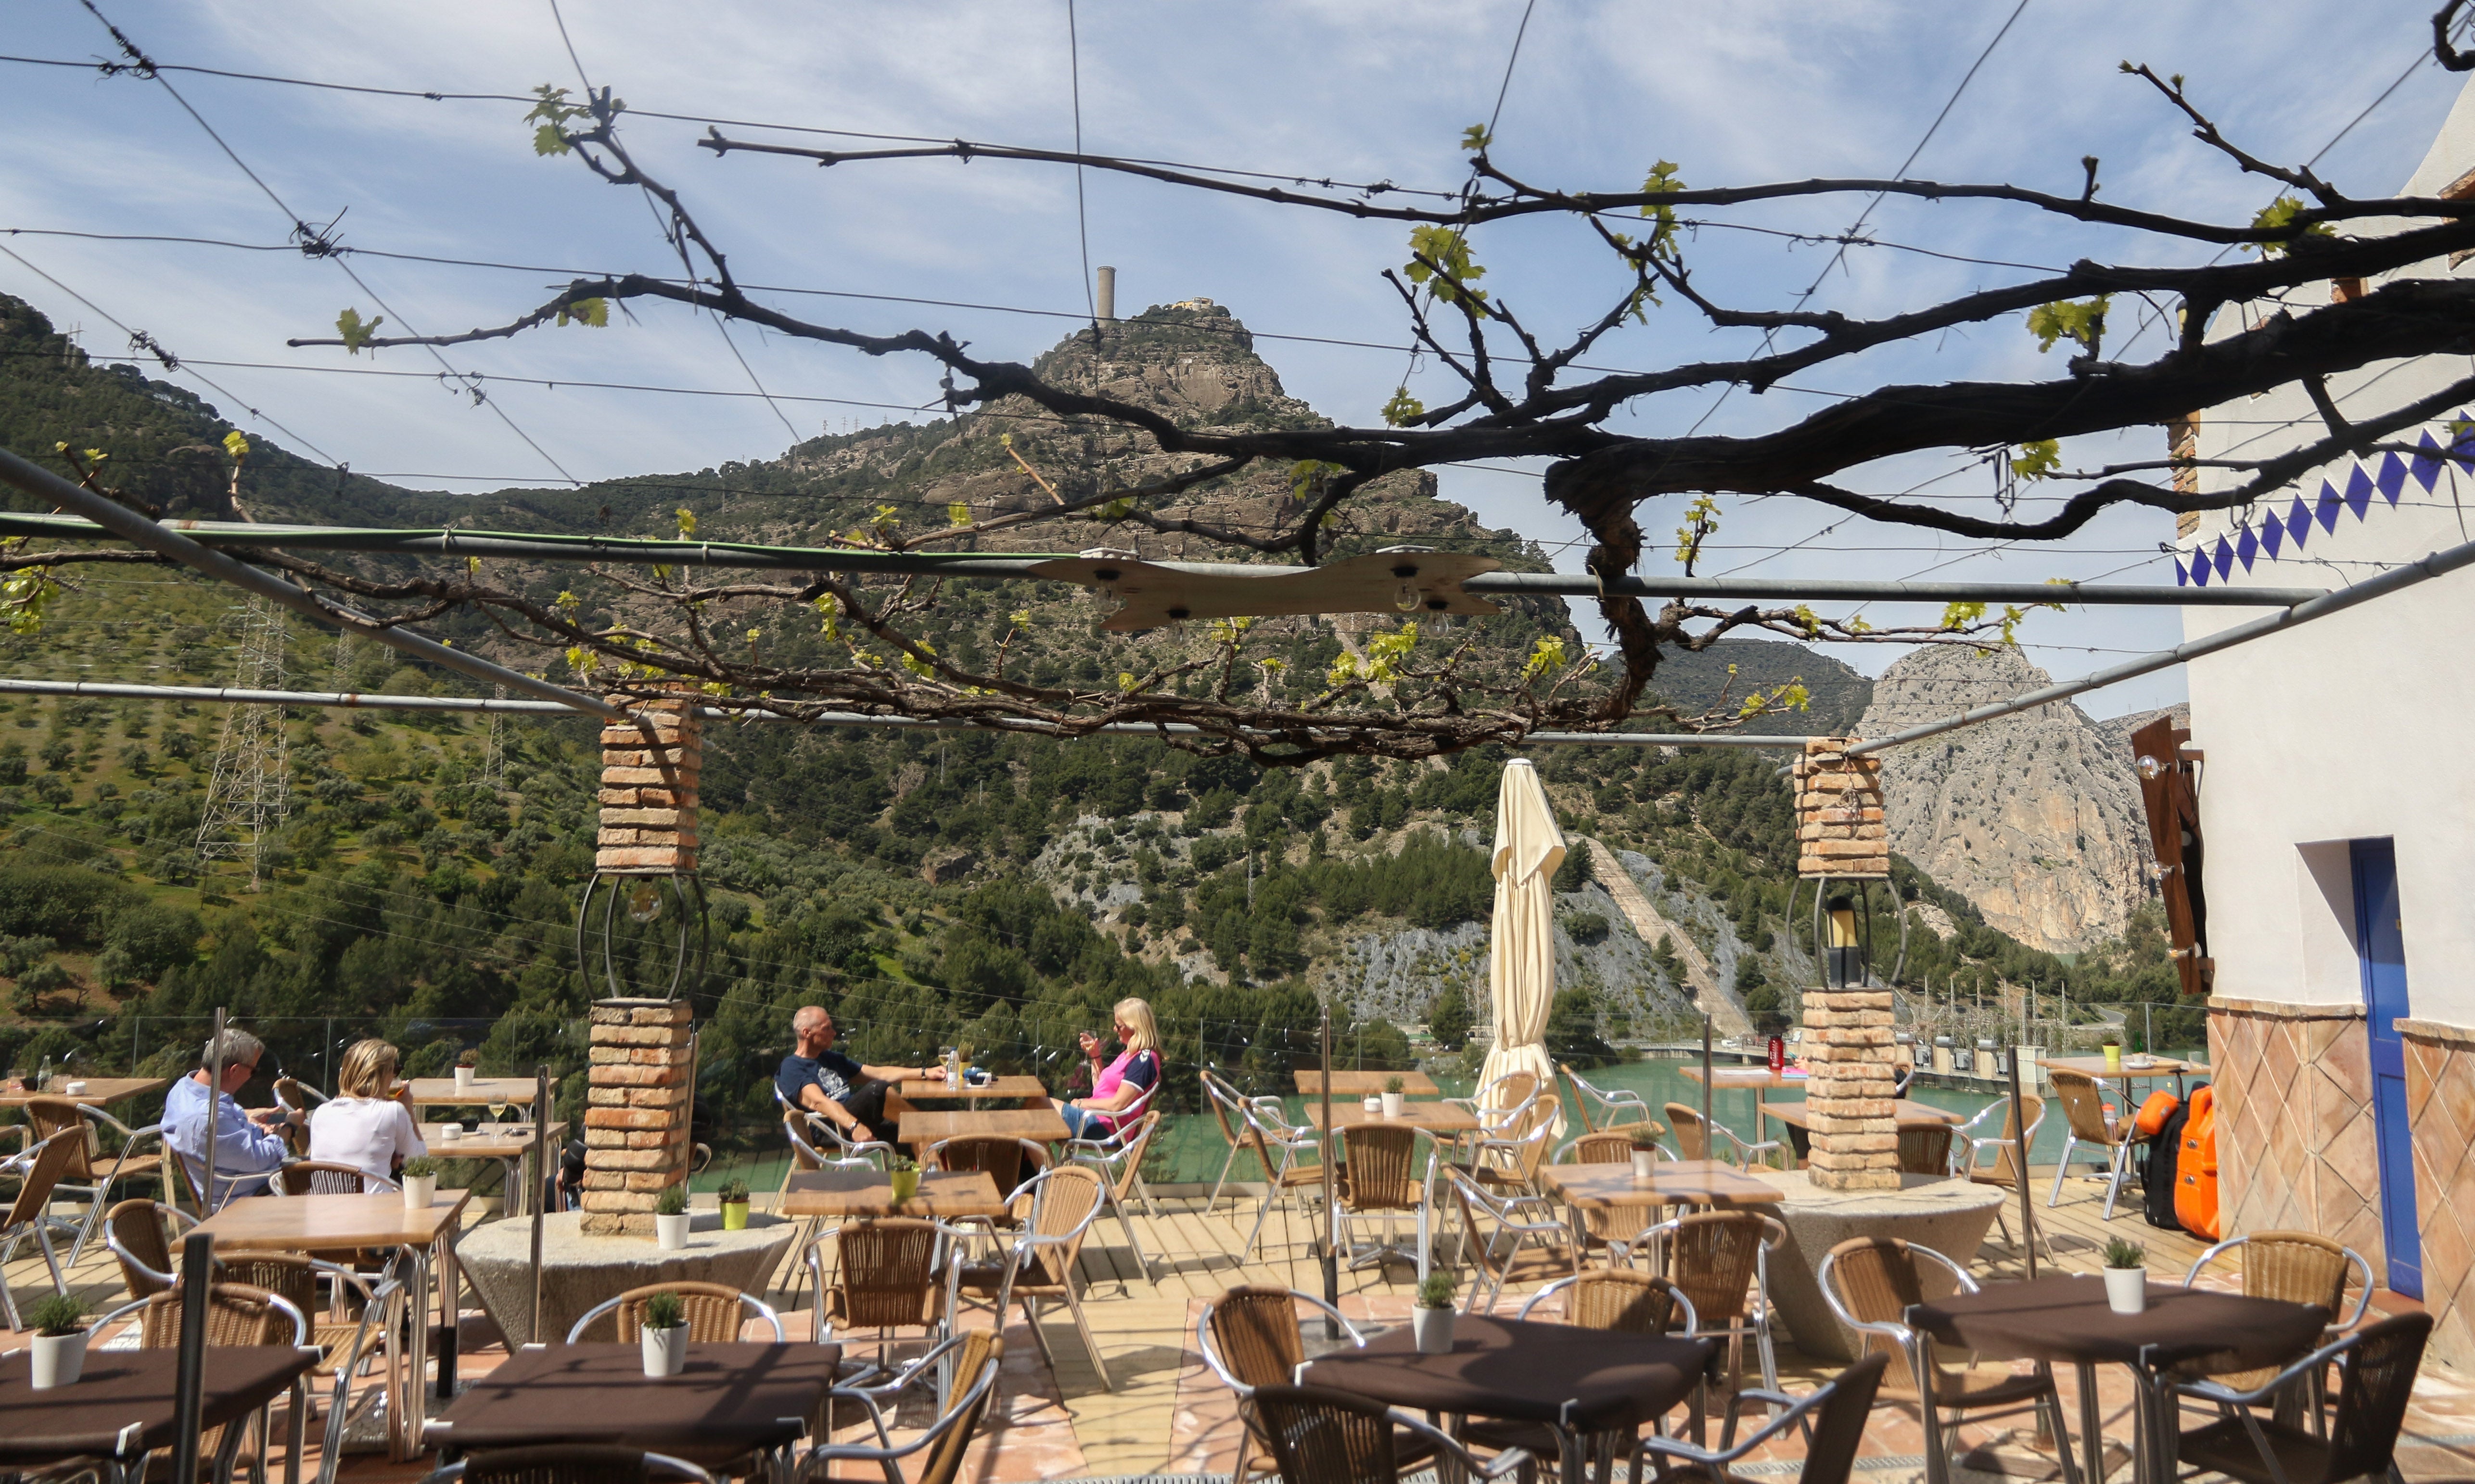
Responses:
[672,1202]
[155,936]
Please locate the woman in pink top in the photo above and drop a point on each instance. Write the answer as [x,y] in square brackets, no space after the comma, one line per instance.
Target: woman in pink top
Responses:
[1122,1084]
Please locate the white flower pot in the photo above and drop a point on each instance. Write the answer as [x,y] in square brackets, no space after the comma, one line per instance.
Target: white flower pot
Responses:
[418,1190]
[1433,1328]
[1645,1165]
[2126,1289]
[1393,1102]
[666,1351]
[57,1360]
[670,1232]
[463,1079]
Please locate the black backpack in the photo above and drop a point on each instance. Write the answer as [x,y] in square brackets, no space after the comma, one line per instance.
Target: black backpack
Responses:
[2158,1177]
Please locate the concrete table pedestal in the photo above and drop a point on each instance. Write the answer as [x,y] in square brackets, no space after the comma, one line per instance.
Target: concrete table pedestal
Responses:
[1929,1210]
[580,1271]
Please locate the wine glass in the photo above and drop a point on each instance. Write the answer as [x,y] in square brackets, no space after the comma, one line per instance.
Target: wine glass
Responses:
[17,1079]
[498,1111]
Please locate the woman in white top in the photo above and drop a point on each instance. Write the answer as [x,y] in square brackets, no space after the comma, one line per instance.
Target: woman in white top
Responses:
[367,1124]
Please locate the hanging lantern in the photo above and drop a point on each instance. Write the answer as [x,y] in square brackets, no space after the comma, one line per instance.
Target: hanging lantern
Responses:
[1846,964]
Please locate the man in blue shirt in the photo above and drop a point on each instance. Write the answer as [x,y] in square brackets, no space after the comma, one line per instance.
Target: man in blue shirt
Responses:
[248,1146]
[820,1080]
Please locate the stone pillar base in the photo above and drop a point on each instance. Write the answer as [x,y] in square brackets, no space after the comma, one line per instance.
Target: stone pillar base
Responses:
[1849,1099]
[636,1111]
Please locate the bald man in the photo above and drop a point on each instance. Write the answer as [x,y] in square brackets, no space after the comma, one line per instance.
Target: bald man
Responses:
[821,1080]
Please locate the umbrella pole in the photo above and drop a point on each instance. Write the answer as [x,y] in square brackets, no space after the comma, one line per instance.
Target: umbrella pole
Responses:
[1331,1211]
[2020,1154]
[189,1381]
[1709,1144]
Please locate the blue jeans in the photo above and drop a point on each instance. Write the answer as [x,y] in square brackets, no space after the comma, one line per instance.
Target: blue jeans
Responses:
[1081,1123]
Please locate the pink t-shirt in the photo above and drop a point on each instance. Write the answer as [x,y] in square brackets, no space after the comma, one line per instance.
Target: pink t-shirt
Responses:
[1138,1067]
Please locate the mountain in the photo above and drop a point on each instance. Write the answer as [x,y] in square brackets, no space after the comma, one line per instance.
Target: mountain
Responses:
[2117,730]
[2035,818]
[1838,694]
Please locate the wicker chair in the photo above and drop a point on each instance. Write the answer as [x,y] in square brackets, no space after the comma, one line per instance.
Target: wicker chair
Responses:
[1603,1108]
[1265,1131]
[135,1232]
[2086,1135]
[1926,1150]
[1622,1300]
[566,1463]
[1993,1159]
[1869,1284]
[349,1328]
[2299,1267]
[1008,1161]
[1386,1178]
[1511,1239]
[1833,1416]
[2376,1370]
[1229,1109]
[883,1276]
[88,1174]
[1722,1261]
[1693,1143]
[291,1096]
[1056,1210]
[1319,1436]
[1507,1160]
[970,1363]
[1249,1338]
[1612,1230]
[1501,1101]
[1118,1158]
[326,1177]
[236,1314]
[715,1312]
[39,1170]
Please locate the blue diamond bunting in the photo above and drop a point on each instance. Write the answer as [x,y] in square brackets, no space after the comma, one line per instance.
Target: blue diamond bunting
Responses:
[2182,575]
[2246,549]
[2427,469]
[2273,535]
[2359,492]
[2199,569]
[2298,523]
[2225,560]
[2327,510]
[2392,477]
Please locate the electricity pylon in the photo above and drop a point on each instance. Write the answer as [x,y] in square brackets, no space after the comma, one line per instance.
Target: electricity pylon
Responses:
[251,790]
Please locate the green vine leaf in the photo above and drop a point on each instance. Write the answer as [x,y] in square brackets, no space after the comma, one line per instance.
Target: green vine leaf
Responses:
[2080,322]
[2039,460]
[355,333]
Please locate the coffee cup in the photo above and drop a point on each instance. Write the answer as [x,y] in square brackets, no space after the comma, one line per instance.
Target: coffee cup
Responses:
[449,1134]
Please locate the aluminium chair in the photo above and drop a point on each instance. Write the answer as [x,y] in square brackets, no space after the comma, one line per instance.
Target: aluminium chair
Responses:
[236,1314]
[1722,1261]
[29,1214]
[1118,1158]
[1266,1131]
[1509,1239]
[970,1364]
[1249,1338]
[715,1312]
[2298,1267]
[1693,1141]
[1605,1108]
[90,1174]
[1229,1109]
[1384,1180]
[1995,1158]
[1611,1230]
[1320,1436]
[1832,1416]
[882,1276]
[137,1234]
[1056,1210]
[1501,1101]
[1926,1150]
[326,1177]
[2376,1370]
[2086,1135]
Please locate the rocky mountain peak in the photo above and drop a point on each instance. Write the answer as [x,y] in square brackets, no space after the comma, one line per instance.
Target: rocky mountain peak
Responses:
[2036,818]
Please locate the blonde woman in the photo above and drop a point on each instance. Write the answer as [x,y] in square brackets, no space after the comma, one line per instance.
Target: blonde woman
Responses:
[1122,1084]
[367,1124]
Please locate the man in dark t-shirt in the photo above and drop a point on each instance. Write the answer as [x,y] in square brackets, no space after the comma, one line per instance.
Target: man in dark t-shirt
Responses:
[817,1079]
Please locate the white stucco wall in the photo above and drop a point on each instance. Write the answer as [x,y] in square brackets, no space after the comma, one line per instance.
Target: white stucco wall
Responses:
[2356,726]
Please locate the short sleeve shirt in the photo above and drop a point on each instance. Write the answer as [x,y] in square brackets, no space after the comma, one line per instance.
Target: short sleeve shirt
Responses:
[833,1072]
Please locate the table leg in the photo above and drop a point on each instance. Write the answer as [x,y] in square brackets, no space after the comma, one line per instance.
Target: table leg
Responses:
[405,1424]
[2092,1427]
[1569,1461]
[450,1305]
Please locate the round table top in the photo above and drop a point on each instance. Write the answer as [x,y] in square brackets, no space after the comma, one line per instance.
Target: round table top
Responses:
[1917,1195]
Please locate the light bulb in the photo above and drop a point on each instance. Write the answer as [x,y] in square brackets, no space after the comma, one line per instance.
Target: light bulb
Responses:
[2148,767]
[1406,600]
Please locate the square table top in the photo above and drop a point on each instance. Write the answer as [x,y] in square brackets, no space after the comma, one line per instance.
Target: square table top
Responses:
[1042,1124]
[915,1090]
[1904,1115]
[1434,1117]
[2094,1066]
[1358,1085]
[1586,1380]
[123,1403]
[1595,1187]
[99,1090]
[442,1091]
[942,1193]
[2066,1318]
[1759,1078]
[732,1398]
[318,1223]
[486,1143]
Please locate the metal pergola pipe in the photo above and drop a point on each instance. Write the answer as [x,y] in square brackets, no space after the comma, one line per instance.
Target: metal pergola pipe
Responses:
[127,524]
[547,547]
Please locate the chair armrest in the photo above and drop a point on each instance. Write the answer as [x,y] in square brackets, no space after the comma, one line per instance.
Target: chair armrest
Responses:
[1729,1451]
[1447,1446]
[2216,1391]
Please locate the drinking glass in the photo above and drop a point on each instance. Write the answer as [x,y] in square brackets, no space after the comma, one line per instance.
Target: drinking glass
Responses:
[498,1111]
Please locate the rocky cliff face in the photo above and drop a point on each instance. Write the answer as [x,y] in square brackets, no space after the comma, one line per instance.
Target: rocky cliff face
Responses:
[2035,817]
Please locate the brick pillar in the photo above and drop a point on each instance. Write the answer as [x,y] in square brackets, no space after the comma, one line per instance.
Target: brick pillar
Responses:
[648,792]
[636,1112]
[1848,1036]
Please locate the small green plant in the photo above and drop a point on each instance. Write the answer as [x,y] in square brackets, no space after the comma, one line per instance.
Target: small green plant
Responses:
[735,1193]
[1394,1084]
[2109,1038]
[672,1202]
[1436,1290]
[471,1058]
[894,1162]
[2122,1254]
[58,1314]
[420,1167]
[1645,1135]
[664,1310]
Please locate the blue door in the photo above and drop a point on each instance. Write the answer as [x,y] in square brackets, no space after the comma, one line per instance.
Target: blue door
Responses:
[2380,939]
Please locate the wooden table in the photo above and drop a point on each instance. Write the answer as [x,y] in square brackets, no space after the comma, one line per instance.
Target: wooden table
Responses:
[485,1091]
[99,1091]
[123,1406]
[1021,1089]
[318,1224]
[504,1144]
[1761,1079]
[943,1194]
[1360,1084]
[733,1398]
[1905,1114]
[1434,1117]
[2157,1067]
[1678,1182]
[922,1127]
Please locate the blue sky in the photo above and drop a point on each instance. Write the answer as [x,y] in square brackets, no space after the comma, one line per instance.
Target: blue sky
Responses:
[1732,92]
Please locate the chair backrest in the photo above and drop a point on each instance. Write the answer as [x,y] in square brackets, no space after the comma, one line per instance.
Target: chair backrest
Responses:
[2083,1105]
[2376,1372]
[1509,1091]
[1601,1149]
[1839,1423]
[135,1232]
[1320,1436]
[1059,1204]
[1255,1331]
[1134,1140]
[1622,1300]
[58,1116]
[974,1361]
[1531,1129]
[2005,1168]
[1228,1106]
[292,1277]
[1491,1252]
[1382,1173]
[886,1271]
[1004,1158]
[1925,1150]
[714,1312]
[236,1314]
[321,1178]
[1692,1140]
[1582,1097]
[52,1160]
[1715,1256]
[290,1095]
[2299,1267]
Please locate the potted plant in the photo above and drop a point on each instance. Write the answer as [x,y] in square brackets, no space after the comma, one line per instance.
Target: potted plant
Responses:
[665,1334]
[902,1172]
[734,1206]
[1393,1096]
[58,1344]
[466,1066]
[671,1218]
[420,1183]
[1645,1150]
[2126,1276]
[2112,1046]
[1431,1317]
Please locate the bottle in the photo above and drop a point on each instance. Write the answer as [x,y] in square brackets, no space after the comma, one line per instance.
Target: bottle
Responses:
[1778,1055]
[43,1078]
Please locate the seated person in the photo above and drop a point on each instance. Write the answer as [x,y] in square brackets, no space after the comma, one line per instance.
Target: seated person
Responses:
[248,1146]
[1122,1083]
[817,1079]
[367,1124]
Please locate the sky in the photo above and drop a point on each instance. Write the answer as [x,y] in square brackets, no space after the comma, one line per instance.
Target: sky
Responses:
[1592,95]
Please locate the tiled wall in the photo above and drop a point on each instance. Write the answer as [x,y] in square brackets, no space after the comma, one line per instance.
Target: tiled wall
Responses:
[2296,1146]
[2440,1103]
